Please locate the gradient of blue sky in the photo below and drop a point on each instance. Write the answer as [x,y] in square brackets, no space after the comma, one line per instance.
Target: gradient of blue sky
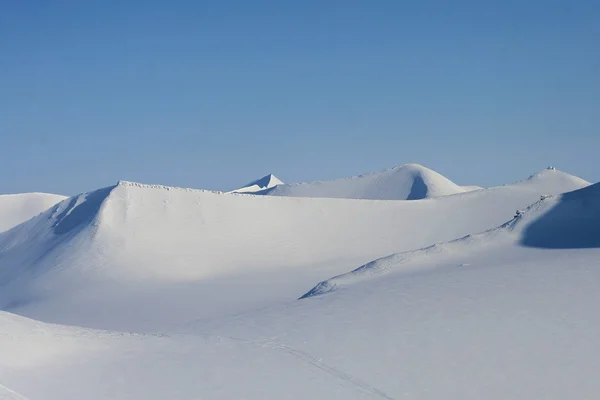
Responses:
[213,94]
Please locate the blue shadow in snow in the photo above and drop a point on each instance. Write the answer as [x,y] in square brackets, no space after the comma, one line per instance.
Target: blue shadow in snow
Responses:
[574,223]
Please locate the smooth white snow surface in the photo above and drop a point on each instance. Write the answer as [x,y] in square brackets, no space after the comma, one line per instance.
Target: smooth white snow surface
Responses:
[471,188]
[405,182]
[209,281]
[266,182]
[18,208]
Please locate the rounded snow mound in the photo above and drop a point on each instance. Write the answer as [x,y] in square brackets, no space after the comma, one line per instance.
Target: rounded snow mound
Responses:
[405,182]
[18,208]
[554,176]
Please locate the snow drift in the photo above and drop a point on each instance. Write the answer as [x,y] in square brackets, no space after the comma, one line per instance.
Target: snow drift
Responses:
[406,182]
[567,221]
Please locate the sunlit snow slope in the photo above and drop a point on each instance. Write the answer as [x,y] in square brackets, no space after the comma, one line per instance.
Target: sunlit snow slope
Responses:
[406,182]
[506,314]
[50,362]
[137,257]
[509,313]
[18,208]
[567,221]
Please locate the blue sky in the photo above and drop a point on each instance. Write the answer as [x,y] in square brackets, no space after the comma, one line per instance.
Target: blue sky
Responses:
[212,94]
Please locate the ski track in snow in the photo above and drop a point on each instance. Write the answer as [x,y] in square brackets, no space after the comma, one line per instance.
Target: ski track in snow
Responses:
[7,393]
[274,344]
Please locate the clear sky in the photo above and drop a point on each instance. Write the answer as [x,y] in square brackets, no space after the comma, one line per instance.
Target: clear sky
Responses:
[213,94]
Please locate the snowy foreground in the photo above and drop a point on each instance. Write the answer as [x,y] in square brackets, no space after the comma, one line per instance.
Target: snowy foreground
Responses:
[149,292]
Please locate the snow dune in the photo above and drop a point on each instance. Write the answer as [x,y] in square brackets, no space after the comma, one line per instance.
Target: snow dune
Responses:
[138,257]
[18,208]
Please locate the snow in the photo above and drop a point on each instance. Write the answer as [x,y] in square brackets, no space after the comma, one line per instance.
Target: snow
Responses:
[179,293]
[160,251]
[405,182]
[18,208]
[43,361]
[266,182]
[568,221]
[471,188]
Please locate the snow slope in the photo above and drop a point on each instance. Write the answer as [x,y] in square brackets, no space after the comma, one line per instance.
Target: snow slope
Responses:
[52,362]
[266,182]
[139,257]
[18,208]
[406,182]
[567,221]
[506,314]
[470,188]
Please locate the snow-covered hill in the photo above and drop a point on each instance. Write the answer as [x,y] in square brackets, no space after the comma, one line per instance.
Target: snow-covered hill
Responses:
[507,313]
[567,221]
[139,257]
[266,182]
[406,182]
[18,208]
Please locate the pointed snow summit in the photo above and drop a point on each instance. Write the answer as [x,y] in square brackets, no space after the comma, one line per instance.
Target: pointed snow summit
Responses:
[264,183]
[405,182]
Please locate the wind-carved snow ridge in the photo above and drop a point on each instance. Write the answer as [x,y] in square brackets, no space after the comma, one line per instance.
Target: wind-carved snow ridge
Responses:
[80,210]
[395,261]
[86,209]
[585,232]
[163,187]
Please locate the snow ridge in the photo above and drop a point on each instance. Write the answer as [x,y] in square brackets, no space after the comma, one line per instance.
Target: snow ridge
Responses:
[162,187]
[570,220]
